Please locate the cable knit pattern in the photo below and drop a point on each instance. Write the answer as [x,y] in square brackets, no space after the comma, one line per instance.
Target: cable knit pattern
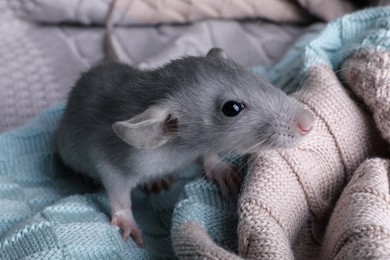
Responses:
[368,75]
[360,224]
[309,178]
[359,227]
[289,195]
[187,237]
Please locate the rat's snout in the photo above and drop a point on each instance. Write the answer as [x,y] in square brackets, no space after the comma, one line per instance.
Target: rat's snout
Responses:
[304,128]
[291,126]
[304,121]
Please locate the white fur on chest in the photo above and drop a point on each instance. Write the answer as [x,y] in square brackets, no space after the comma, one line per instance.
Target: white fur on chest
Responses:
[150,164]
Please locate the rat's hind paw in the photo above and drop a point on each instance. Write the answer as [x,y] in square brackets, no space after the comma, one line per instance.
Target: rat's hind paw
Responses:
[125,221]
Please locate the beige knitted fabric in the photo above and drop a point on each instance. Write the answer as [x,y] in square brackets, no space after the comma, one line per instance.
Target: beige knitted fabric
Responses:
[360,224]
[193,242]
[367,73]
[289,195]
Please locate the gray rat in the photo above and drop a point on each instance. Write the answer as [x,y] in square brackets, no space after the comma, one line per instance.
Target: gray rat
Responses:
[125,126]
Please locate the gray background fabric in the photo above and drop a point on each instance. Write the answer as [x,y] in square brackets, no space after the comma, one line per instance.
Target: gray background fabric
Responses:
[40,62]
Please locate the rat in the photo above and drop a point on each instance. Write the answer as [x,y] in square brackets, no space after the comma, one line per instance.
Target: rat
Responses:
[125,127]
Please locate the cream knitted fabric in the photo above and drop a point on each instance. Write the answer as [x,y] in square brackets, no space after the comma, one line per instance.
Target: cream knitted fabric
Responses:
[367,73]
[360,224]
[193,242]
[289,195]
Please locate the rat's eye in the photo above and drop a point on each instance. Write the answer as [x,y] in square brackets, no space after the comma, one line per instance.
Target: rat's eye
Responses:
[232,108]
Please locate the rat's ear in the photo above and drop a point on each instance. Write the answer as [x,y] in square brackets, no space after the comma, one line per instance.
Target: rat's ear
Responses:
[216,53]
[148,130]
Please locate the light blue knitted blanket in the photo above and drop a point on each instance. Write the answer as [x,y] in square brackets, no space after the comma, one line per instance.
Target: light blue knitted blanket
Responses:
[46,213]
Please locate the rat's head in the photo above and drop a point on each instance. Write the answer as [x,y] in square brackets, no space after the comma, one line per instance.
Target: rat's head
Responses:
[223,108]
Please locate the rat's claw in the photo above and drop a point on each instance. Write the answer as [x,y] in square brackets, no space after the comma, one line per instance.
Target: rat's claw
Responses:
[136,235]
[158,185]
[236,183]
[128,226]
[223,188]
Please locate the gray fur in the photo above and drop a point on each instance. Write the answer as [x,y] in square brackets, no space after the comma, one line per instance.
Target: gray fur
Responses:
[102,132]
[216,53]
[194,89]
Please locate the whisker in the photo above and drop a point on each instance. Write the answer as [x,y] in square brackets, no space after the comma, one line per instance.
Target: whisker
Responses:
[306,78]
[253,147]
[231,152]
[226,155]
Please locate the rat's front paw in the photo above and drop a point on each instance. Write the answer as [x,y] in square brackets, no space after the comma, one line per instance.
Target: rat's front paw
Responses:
[226,175]
[158,185]
[125,221]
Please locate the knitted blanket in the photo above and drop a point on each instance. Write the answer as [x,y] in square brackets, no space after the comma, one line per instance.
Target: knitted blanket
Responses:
[321,199]
[327,198]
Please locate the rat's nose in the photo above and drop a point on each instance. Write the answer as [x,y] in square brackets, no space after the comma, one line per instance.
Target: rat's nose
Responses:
[304,129]
[304,121]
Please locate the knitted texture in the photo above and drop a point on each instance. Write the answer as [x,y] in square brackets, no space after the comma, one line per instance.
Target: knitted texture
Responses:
[32,78]
[289,195]
[187,237]
[309,178]
[359,227]
[360,224]
[367,73]
[49,213]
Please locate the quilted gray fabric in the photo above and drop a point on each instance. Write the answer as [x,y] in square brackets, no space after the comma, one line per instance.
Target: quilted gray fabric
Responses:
[131,12]
[41,61]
